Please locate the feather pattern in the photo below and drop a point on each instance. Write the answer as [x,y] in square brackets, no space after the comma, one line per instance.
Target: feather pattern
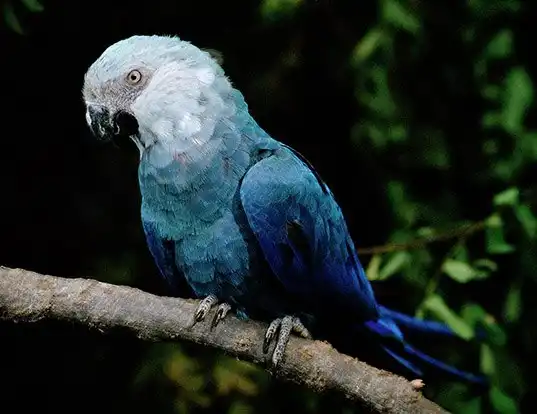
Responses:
[236,214]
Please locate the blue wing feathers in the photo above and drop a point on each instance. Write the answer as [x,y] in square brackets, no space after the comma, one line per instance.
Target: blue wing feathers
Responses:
[290,210]
[305,241]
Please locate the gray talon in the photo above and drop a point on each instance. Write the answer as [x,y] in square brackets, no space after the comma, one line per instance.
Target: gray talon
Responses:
[204,307]
[270,333]
[299,328]
[285,325]
[221,313]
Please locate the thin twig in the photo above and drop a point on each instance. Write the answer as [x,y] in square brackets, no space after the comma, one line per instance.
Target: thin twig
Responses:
[463,231]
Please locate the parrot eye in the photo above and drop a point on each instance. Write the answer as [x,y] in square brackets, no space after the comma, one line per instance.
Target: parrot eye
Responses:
[134,77]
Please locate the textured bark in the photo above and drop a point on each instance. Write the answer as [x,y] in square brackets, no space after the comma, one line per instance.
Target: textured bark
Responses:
[30,297]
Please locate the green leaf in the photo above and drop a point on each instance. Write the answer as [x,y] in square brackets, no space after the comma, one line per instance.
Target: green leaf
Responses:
[11,19]
[404,209]
[494,220]
[456,398]
[435,153]
[493,93]
[507,372]
[33,5]
[368,45]
[240,407]
[473,314]
[477,317]
[462,272]
[461,254]
[487,361]
[394,264]
[501,402]
[277,9]
[501,45]
[513,304]
[471,406]
[485,264]
[436,305]
[397,15]
[491,119]
[373,267]
[426,232]
[487,9]
[525,216]
[517,100]
[495,333]
[495,240]
[507,197]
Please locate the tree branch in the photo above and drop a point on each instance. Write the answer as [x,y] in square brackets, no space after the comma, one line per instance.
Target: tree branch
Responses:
[460,232]
[30,297]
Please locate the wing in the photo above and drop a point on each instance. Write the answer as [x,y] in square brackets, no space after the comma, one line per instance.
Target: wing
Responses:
[303,234]
[163,252]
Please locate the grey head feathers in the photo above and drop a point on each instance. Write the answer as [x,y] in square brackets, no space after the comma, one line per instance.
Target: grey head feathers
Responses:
[174,91]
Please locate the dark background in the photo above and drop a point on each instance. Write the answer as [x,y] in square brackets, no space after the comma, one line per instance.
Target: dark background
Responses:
[416,114]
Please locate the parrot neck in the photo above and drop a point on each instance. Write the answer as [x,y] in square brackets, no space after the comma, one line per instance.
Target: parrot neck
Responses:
[195,188]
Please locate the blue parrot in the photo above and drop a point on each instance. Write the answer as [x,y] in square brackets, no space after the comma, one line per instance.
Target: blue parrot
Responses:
[246,221]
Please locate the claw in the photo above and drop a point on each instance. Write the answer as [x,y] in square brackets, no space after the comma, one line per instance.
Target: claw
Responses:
[270,333]
[221,313]
[285,325]
[203,308]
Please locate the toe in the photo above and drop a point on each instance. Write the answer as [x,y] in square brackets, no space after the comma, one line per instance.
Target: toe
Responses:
[271,333]
[204,307]
[220,314]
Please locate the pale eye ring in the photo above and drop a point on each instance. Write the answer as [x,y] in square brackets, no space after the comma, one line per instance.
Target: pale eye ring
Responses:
[134,77]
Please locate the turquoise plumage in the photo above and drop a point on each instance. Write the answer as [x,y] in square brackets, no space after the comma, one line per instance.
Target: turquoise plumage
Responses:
[245,220]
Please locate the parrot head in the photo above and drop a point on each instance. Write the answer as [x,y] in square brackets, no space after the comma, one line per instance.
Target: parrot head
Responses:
[155,90]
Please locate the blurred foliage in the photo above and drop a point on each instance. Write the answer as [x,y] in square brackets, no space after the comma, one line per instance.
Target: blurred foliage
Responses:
[498,150]
[12,11]
[444,105]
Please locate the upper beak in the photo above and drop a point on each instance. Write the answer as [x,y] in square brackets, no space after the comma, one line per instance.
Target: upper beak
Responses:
[99,121]
[105,125]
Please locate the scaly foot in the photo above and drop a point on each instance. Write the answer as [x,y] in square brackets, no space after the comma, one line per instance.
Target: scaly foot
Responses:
[206,305]
[285,326]
[220,314]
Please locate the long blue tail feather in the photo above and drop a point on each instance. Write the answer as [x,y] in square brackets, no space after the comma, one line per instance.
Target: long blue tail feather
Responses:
[437,364]
[416,325]
[407,364]
[405,354]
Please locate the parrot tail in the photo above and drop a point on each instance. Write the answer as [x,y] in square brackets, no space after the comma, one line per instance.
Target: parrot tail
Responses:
[405,354]
[414,324]
[422,326]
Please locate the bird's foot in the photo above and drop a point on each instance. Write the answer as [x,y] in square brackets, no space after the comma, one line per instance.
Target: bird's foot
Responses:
[220,314]
[283,327]
[206,305]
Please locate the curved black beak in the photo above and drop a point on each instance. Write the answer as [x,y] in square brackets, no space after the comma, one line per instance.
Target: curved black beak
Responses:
[99,122]
[106,126]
